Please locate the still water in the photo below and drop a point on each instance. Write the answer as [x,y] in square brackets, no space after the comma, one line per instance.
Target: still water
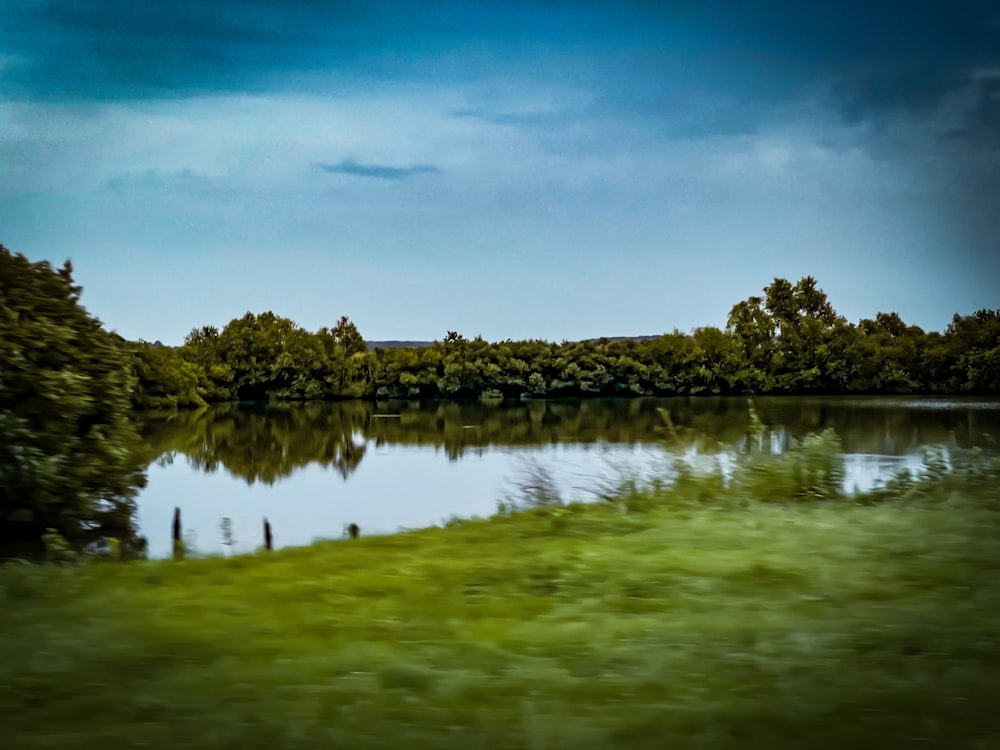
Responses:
[313,468]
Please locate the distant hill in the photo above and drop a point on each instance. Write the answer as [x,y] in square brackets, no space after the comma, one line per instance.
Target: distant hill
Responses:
[625,338]
[397,344]
[417,344]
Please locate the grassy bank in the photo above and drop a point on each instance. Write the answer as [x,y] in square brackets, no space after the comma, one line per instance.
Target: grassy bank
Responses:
[721,625]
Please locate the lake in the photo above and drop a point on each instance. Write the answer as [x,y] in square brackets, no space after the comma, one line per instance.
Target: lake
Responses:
[312,468]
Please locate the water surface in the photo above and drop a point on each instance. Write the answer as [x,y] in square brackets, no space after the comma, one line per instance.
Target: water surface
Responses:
[313,468]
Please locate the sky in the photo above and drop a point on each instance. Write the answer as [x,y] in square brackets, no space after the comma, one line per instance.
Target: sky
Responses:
[555,170]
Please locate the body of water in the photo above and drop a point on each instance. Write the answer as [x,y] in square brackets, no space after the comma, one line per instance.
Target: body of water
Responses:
[313,468]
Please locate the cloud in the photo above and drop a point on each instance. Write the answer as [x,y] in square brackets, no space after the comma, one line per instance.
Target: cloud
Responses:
[534,118]
[154,179]
[981,121]
[107,49]
[877,57]
[116,50]
[670,70]
[378,171]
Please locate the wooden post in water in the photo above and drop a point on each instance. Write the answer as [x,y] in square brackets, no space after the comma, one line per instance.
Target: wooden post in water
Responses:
[268,539]
[176,535]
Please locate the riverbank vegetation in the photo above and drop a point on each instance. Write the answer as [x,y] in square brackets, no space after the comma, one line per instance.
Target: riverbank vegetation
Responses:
[789,341]
[758,609]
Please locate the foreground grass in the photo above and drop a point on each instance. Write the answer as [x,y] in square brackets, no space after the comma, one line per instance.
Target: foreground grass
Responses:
[766,626]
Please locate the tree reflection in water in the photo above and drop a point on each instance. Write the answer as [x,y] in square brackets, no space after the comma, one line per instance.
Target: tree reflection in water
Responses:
[264,443]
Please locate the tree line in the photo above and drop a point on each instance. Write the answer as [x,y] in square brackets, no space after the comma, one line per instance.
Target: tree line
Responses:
[72,458]
[788,341]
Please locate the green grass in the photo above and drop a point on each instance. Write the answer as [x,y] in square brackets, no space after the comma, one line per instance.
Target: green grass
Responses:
[762,626]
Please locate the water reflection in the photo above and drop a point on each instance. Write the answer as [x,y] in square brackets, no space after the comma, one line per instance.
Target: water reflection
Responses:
[262,444]
[267,443]
[314,467]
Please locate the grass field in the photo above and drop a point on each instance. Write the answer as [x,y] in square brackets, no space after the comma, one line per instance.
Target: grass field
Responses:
[654,624]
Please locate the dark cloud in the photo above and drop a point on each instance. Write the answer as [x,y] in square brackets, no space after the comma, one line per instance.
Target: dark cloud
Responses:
[111,49]
[114,49]
[982,121]
[378,171]
[683,69]
[874,58]
[879,55]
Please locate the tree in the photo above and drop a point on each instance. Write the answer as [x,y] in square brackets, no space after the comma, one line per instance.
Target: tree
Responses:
[347,335]
[70,462]
[975,344]
[888,355]
[165,380]
[754,329]
[259,351]
[811,345]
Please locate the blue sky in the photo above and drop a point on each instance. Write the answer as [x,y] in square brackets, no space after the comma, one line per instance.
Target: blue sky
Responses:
[516,170]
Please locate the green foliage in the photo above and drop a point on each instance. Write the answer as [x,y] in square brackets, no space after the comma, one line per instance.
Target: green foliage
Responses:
[57,549]
[267,357]
[790,340]
[346,336]
[974,343]
[812,470]
[164,379]
[69,458]
[536,488]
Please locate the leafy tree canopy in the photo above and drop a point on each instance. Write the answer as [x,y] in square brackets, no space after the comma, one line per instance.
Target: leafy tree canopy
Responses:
[69,458]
